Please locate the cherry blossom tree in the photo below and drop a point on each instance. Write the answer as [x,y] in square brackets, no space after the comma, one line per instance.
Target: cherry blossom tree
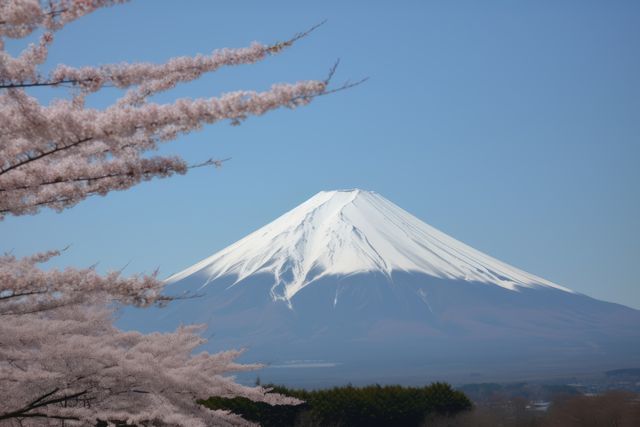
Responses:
[61,358]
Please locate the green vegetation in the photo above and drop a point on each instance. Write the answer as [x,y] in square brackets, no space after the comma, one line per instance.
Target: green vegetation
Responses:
[369,406]
[439,405]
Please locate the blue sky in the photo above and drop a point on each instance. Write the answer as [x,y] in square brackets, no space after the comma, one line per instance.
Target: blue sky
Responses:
[512,126]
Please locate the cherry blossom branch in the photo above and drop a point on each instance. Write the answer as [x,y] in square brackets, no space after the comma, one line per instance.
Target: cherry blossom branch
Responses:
[22,17]
[148,173]
[39,415]
[39,403]
[24,288]
[44,396]
[37,84]
[153,78]
[55,150]
[52,13]
[21,294]
[110,131]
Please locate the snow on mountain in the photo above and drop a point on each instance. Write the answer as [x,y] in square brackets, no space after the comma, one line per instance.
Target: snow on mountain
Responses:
[345,232]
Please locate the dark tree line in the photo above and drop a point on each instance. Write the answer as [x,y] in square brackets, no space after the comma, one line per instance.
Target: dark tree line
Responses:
[370,406]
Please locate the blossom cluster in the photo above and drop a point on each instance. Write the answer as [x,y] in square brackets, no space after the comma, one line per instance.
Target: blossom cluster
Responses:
[58,154]
[55,156]
[58,345]
[71,364]
[19,18]
[26,288]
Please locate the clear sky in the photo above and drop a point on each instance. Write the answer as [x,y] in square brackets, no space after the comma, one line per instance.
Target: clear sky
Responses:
[512,126]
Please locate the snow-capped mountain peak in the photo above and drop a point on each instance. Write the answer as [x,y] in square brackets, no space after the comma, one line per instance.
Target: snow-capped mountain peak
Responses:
[344,232]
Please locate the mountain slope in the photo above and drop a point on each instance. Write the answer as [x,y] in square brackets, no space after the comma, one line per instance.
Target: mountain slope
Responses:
[352,280]
[353,231]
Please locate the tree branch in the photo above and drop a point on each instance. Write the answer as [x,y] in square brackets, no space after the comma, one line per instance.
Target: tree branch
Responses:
[38,84]
[44,154]
[211,162]
[39,403]
[22,294]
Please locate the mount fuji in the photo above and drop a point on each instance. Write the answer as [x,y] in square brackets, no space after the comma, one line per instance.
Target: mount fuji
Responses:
[349,286]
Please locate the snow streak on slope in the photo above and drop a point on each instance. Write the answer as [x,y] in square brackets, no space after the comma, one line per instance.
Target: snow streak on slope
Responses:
[353,231]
